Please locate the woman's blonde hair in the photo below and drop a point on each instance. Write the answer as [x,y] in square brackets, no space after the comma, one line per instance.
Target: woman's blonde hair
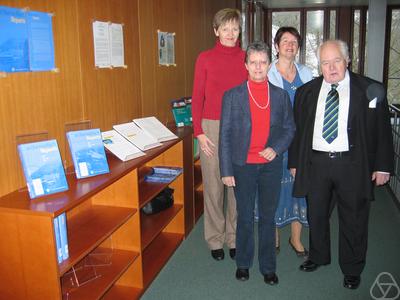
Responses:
[226,15]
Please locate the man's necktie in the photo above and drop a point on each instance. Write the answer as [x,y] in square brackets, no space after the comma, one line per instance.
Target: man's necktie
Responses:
[330,129]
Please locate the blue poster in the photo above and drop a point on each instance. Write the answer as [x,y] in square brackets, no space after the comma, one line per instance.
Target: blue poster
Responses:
[41,45]
[13,40]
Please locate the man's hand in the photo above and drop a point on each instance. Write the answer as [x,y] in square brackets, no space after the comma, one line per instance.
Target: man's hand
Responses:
[293,172]
[268,154]
[229,180]
[380,178]
[206,145]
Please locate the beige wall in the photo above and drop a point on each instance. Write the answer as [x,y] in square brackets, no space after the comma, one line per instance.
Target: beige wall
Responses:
[46,101]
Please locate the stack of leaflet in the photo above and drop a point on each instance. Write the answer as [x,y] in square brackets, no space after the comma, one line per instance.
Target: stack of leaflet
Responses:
[163,174]
[120,146]
[87,152]
[43,169]
[153,127]
[61,236]
[137,136]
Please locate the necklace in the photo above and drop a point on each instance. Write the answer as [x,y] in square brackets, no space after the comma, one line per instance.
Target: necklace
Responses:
[254,100]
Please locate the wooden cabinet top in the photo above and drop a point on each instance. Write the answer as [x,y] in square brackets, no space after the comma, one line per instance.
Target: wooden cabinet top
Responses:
[82,189]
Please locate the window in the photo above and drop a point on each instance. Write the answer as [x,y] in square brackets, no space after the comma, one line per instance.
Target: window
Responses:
[332,24]
[318,24]
[393,69]
[313,38]
[355,59]
[286,18]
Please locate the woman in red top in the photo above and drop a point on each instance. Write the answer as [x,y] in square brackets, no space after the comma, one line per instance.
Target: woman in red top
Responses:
[216,71]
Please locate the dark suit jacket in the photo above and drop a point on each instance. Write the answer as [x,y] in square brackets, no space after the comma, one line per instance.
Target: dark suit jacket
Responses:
[235,126]
[368,129]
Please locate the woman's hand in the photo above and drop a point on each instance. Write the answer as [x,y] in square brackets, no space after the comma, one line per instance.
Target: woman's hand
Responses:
[206,145]
[268,154]
[228,180]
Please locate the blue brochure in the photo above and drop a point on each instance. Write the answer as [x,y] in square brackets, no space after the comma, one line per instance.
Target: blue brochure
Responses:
[13,40]
[41,44]
[87,151]
[43,169]
[58,240]
[62,226]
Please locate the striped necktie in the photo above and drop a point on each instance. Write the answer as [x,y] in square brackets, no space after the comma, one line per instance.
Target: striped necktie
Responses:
[330,128]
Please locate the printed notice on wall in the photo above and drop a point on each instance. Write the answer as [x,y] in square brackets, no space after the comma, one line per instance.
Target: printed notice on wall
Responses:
[41,47]
[26,40]
[166,48]
[101,44]
[108,41]
[117,45]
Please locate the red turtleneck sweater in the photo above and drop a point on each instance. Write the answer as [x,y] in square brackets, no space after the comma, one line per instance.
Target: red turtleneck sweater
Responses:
[217,70]
[260,120]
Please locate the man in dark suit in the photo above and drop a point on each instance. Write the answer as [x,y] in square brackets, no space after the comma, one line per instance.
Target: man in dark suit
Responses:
[256,127]
[343,145]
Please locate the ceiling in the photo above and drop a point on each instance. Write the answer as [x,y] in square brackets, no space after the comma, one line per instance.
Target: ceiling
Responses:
[315,3]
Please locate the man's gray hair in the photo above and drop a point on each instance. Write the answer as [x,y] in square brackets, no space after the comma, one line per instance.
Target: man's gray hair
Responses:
[257,46]
[343,48]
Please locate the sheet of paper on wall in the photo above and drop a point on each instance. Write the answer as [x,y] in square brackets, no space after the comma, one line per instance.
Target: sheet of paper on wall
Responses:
[166,48]
[14,55]
[117,45]
[154,127]
[101,39]
[41,44]
[137,136]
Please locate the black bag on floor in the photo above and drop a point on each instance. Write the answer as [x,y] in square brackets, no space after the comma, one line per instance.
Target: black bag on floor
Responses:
[162,201]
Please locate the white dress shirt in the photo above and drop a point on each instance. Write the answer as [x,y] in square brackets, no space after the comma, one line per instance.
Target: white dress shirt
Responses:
[341,143]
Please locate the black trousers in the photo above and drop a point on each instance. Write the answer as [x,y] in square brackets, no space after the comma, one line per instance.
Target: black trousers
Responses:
[336,176]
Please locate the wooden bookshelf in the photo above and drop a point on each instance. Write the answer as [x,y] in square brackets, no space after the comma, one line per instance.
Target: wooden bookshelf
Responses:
[103,213]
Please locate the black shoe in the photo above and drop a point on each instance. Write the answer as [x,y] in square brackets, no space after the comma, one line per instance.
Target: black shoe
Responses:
[218,254]
[309,266]
[271,279]
[242,274]
[232,253]
[303,253]
[351,282]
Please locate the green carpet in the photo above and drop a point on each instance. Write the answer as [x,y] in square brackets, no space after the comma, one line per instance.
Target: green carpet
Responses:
[192,274]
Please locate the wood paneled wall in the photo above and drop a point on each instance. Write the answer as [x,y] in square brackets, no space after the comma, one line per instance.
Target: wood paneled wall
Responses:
[46,101]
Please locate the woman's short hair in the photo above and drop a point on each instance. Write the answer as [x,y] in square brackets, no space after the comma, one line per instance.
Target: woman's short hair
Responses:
[257,46]
[226,15]
[293,31]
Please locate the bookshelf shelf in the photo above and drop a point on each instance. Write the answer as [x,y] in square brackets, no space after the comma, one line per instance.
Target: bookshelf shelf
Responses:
[102,212]
[152,225]
[157,254]
[122,293]
[120,261]
[89,228]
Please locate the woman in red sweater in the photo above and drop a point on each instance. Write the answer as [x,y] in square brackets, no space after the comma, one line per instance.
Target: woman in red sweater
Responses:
[217,70]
